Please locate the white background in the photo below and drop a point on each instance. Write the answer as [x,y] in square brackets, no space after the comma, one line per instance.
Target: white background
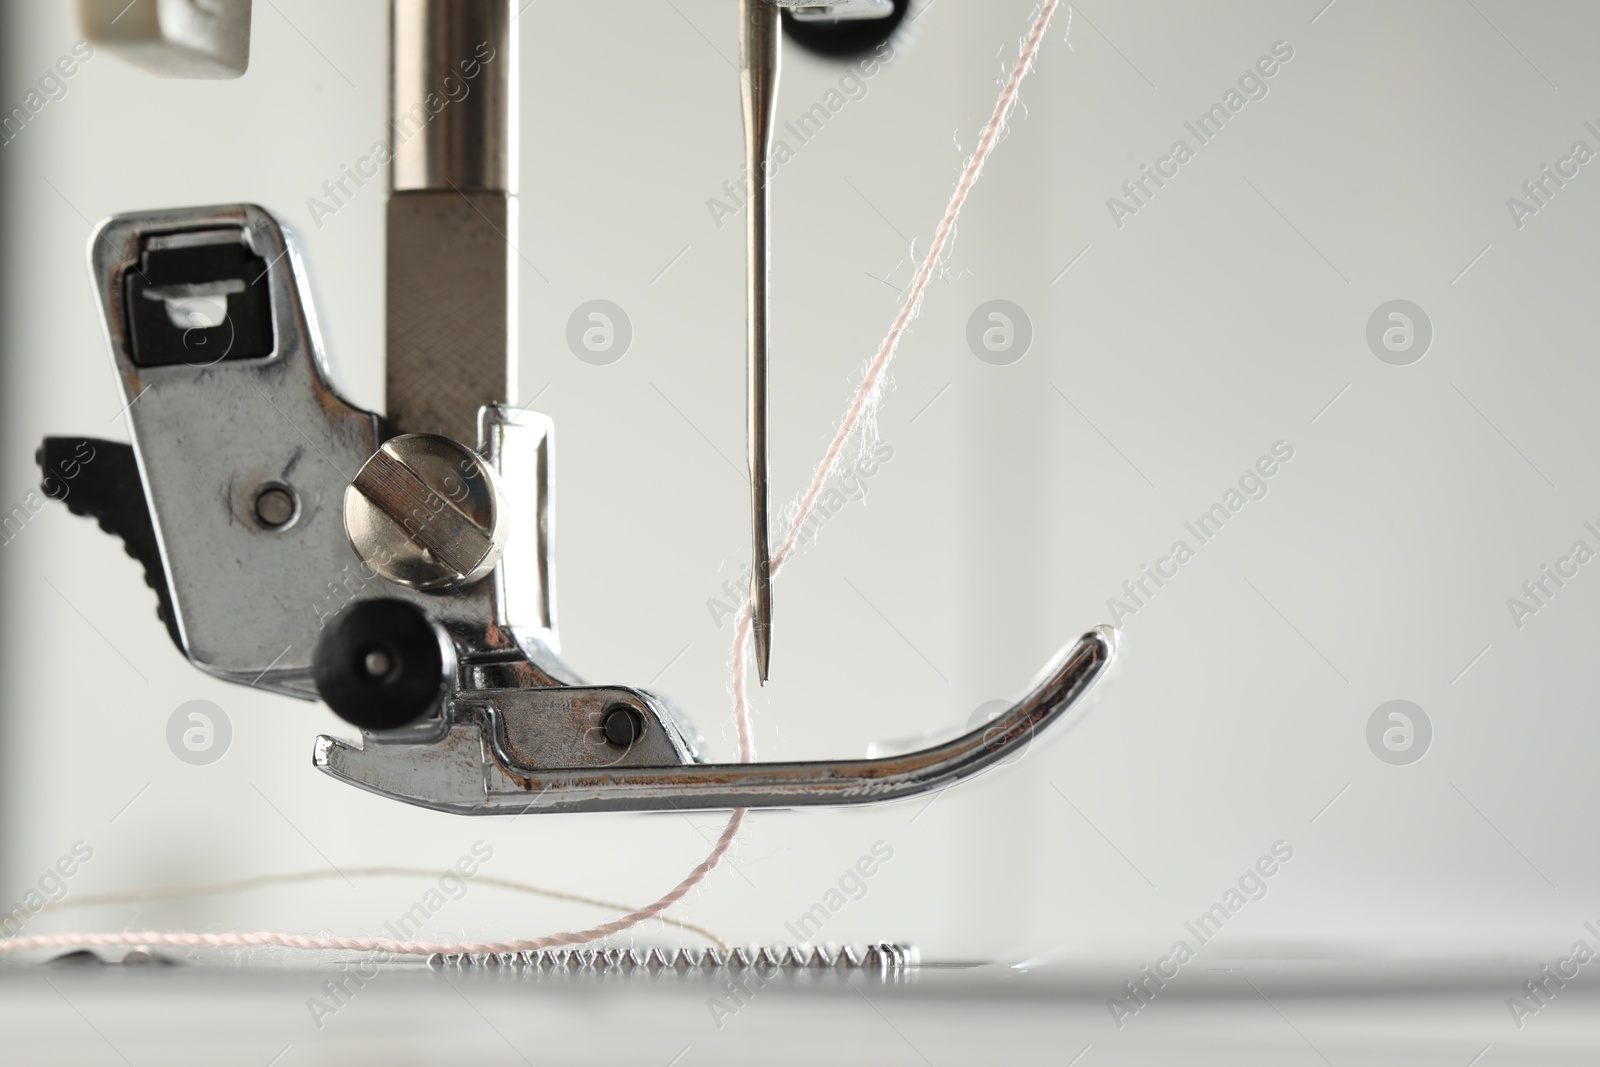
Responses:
[1223,317]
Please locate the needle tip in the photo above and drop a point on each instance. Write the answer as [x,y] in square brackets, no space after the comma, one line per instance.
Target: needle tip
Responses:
[763,652]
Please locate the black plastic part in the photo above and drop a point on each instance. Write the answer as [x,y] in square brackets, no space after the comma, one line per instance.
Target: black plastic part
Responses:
[844,38]
[227,270]
[381,664]
[100,480]
[622,725]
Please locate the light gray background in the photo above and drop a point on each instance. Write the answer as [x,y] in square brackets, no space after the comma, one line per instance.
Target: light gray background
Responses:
[1224,317]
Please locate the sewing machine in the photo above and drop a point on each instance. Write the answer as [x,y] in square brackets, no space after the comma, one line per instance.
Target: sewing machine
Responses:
[398,566]
[1286,417]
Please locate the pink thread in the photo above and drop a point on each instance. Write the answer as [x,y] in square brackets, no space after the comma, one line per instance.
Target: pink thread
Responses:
[908,310]
[859,405]
[154,939]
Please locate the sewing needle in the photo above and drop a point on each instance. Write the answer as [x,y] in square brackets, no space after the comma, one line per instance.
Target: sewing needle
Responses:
[758,75]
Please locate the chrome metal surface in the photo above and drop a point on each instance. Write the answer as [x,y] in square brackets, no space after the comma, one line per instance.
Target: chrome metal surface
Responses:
[211,436]
[519,445]
[276,506]
[519,731]
[759,43]
[452,95]
[451,265]
[199,39]
[463,770]
[428,512]
[837,10]
[250,461]
[451,327]
[563,728]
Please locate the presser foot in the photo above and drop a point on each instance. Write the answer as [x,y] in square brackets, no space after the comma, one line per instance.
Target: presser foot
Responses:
[299,546]
[563,750]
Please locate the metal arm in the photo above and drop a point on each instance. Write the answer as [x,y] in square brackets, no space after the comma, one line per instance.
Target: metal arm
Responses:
[451,279]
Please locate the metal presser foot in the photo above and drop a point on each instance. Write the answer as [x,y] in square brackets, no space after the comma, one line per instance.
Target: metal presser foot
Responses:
[399,567]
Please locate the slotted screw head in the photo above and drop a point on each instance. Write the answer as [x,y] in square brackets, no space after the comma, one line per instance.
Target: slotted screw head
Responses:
[428,512]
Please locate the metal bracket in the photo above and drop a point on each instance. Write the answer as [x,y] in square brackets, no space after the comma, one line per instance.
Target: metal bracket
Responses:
[243,464]
[468,769]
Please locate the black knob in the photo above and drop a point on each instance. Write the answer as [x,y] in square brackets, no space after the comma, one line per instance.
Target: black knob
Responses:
[844,38]
[381,664]
[622,725]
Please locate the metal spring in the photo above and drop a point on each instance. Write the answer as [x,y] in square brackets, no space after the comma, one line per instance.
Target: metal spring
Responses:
[880,956]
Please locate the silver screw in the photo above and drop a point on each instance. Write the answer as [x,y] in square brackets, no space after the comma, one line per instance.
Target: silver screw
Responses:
[274,506]
[426,511]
